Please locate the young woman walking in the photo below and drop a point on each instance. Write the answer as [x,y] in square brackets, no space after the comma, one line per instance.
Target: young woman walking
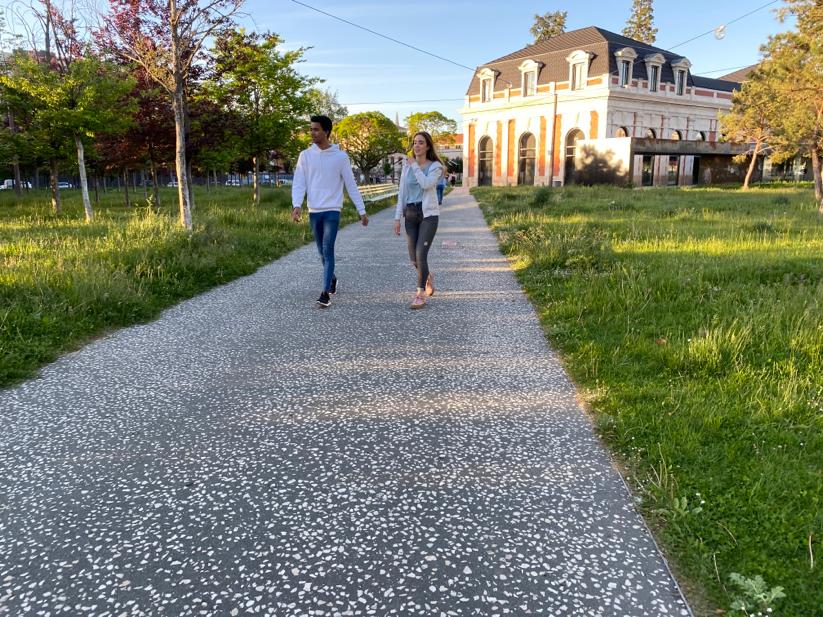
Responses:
[417,204]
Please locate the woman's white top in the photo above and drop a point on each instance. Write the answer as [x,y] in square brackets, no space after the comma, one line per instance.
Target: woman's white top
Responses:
[427,182]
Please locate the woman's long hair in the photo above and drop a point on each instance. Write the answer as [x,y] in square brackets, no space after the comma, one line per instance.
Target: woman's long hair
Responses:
[431,152]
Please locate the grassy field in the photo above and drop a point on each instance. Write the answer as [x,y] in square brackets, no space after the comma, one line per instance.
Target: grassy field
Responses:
[693,322]
[63,281]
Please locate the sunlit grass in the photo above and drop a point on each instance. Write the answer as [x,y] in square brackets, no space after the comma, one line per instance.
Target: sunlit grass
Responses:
[63,281]
[693,322]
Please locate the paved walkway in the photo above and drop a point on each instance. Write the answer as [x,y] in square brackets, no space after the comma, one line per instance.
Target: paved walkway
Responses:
[249,454]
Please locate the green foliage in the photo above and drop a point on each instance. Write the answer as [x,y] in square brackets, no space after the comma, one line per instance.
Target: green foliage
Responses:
[750,119]
[755,595]
[640,25]
[441,128]
[86,99]
[548,25]
[793,68]
[690,319]
[262,86]
[368,138]
[325,103]
[62,282]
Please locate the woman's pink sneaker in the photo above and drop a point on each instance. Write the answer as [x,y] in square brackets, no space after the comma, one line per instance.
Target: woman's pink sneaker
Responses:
[418,303]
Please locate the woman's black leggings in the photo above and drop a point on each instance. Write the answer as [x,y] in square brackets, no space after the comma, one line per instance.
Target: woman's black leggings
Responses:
[420,235]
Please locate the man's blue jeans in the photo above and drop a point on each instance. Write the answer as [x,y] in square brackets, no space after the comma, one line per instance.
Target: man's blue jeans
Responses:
[324,227]
[440,189]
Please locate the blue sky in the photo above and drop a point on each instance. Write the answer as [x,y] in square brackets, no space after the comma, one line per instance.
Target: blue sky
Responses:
[368,71]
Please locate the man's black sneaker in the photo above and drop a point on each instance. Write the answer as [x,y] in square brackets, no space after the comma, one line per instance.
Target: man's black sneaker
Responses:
[333,289]
[324,299]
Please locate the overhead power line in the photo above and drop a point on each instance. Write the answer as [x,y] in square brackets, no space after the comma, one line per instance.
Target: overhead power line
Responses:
[393,40]
[417,101]
[736,19]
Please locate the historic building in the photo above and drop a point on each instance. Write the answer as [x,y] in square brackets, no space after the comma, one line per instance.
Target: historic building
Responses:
[592,106]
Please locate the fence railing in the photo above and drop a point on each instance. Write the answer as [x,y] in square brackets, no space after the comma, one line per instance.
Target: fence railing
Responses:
[376,192]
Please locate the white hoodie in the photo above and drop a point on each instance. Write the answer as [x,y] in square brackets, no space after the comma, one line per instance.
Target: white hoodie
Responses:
[321,174]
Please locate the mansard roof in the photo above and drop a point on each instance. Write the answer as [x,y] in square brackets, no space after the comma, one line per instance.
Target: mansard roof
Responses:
[601,43]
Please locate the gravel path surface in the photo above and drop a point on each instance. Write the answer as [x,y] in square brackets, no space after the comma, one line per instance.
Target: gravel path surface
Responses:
[251,454]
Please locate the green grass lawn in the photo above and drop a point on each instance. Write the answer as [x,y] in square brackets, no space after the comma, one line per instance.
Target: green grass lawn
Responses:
[693,322]
[63,281]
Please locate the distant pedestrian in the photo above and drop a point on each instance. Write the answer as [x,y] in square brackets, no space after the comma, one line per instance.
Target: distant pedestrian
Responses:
[417,203]
[441,186]
[452,179]
[322,170]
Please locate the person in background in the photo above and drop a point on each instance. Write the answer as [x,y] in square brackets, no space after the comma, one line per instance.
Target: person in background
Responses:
[322,170]
[441,187]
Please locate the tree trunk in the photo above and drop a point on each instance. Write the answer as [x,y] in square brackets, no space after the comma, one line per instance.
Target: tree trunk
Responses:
[190,176]
[156,190]
[55,192]
[84,183]
[143,183]
[183,194]
[126,185]
[817,171]
[18,185]
[752,165]
[97,190]
[256,194]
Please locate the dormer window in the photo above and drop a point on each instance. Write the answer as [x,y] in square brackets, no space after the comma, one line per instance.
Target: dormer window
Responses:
[485,90]
[653,64]
[654,78]
[579,68]
[625,63]
[625,74]
[528,71]
[578,75]
[681,68]
[486,77]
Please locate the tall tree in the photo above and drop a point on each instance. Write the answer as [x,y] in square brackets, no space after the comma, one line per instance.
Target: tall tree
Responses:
[263,87]
[548,25]
[640,25]
[326,103]
[794,63]
[441,128]
[368,138]
[750,119]
[166,38]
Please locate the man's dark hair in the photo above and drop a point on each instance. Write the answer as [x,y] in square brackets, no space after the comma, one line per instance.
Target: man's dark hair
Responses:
[324,122]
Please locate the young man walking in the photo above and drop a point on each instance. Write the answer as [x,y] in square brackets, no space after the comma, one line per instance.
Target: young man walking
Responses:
[322,170]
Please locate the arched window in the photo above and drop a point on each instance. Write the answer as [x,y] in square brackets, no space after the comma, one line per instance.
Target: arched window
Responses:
[528,150]
[572,138]
[701,136]
[621,131]
[676,136]
[485,161]
[650,134]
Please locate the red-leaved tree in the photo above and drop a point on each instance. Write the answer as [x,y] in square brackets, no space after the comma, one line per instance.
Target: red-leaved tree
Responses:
[165,38]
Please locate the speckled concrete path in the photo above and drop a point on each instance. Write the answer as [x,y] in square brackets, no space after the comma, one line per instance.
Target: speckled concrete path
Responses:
[250,454]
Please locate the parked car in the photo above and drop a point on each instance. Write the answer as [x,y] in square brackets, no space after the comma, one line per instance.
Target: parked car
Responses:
[232,182]
[9,184]
[65,185]
[172,183]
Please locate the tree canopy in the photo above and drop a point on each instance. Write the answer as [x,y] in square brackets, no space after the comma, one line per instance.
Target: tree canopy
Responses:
[368,138]
[548,25]
[640,25]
